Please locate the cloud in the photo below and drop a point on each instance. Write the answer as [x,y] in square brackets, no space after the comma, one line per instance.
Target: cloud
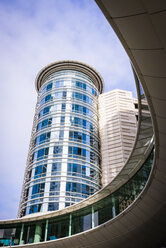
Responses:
[34,34]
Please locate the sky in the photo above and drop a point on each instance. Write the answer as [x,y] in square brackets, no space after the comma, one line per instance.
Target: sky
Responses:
[33,34]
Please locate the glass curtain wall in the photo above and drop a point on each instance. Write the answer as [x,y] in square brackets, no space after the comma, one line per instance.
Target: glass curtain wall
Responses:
[64,165]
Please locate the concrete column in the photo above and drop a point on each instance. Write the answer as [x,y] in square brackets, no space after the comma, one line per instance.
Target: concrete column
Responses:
[134,191]
[93,217]
[113,207]
[21,235]
[70,224]
[38,231]
[46,231]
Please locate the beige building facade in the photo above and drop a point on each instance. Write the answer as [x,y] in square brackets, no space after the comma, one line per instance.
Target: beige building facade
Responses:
[118,112]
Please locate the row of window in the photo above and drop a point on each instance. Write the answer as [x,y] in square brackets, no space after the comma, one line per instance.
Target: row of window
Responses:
[76,152]
[70,75]
[80,188]
[74,121]
[40,154]
[73,135]
[79,122]
[73,169]
[82,137]
[44,124]
[81,109]
[45,137]
[53,108]
[61,107]
[52,206]
[63,95]
[73,151]
[76,169]
[74,187]
[69,83]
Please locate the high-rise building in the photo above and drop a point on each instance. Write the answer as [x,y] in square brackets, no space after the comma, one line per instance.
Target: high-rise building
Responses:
[118,120]
[63,165]
[118,126]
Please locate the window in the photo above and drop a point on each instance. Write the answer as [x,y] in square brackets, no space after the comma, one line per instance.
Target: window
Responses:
[48,98]
[73,187]
[35,208]
[77,136]
[94,92]
[81,221]
[85,189]
[59,84]
[82,97]
[40,171]
[81,109]
[64,93]
[40,154]
[49,87]
[84,86]
[45,123]
[44,111]
[54,186]
[73,169]
[56,167]
[78,151]
[136,105]
[63,107]
[52,207]
[61,134]
[80,188]
[62,120]
[75,121]
[78,84]
[58,151]
[37,189]
[57,228]
[45,137]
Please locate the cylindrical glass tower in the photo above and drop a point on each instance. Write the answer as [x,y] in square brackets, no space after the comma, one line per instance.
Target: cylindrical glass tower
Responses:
[63,165]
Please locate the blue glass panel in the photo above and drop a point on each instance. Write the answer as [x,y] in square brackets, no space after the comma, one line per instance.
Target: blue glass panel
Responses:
[54,186]
[61,134]
[49,87]
[58,150]
[62,120]
[52,206]
[59,84]
[56,167]
[63,107]
[64,94]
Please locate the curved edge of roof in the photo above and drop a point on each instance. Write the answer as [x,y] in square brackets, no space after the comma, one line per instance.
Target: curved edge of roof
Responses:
[69,64]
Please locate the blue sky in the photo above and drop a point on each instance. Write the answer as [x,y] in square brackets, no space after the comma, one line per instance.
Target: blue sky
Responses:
[32,35]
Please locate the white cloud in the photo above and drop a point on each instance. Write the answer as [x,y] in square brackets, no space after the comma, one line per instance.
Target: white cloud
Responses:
[34,34]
